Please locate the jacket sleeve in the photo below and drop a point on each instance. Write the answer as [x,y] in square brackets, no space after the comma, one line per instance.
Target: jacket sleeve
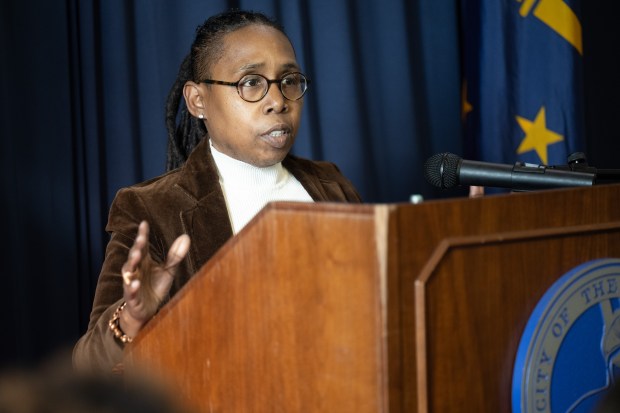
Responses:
[98,349]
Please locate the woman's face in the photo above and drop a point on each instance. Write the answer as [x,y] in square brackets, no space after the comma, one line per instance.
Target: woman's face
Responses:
[259,133]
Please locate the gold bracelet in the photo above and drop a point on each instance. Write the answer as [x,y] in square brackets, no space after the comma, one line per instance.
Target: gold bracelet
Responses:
[116,327]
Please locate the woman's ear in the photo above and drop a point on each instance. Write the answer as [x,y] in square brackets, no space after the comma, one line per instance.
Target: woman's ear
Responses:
[194,99]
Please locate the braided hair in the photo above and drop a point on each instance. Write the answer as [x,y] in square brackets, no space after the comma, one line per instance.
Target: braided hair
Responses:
[206,49]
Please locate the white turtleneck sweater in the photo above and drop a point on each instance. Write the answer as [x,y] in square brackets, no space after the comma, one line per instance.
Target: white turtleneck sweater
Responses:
[247,188]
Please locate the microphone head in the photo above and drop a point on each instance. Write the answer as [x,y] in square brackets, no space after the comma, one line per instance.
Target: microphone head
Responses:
[441,170]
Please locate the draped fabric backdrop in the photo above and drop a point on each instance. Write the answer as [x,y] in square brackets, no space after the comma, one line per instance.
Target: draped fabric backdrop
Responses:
[523,80]
[83,86]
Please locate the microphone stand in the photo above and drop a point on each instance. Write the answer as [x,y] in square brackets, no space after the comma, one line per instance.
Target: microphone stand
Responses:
[577,162]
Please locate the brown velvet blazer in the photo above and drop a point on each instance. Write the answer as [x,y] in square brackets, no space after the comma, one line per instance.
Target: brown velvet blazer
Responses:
[187,200]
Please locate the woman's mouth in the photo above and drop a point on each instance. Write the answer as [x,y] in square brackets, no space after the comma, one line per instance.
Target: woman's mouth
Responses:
[276,137]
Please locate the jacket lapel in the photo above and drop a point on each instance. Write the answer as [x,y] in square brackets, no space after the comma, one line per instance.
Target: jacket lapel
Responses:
[206,222]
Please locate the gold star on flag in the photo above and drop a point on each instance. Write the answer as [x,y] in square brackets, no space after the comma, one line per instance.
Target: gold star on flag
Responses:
[537,136]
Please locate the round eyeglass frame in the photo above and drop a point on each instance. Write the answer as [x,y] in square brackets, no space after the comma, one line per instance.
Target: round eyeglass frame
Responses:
[269,82]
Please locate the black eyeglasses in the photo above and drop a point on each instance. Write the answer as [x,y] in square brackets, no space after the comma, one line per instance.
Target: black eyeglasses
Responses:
[253,88]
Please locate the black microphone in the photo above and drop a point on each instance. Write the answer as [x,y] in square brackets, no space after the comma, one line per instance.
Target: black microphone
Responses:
[446,170]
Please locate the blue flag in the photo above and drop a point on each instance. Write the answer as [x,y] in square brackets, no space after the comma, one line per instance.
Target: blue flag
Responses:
[522,80]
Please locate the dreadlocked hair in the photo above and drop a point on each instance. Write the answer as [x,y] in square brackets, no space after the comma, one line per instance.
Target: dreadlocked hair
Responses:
[184,130]
[182,138]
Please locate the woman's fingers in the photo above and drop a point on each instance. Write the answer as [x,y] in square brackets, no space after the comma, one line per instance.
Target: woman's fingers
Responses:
[146,283]
[178,250]
[129,270]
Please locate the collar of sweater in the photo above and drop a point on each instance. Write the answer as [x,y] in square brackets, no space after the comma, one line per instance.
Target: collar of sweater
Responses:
[239,174]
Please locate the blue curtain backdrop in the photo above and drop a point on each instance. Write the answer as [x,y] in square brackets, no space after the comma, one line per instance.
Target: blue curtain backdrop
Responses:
[83,84]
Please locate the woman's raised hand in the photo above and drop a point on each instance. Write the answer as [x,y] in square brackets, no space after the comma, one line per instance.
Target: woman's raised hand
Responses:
[146,283]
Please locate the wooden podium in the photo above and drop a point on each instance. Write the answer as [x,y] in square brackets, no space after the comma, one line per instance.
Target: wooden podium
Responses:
[373,308]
